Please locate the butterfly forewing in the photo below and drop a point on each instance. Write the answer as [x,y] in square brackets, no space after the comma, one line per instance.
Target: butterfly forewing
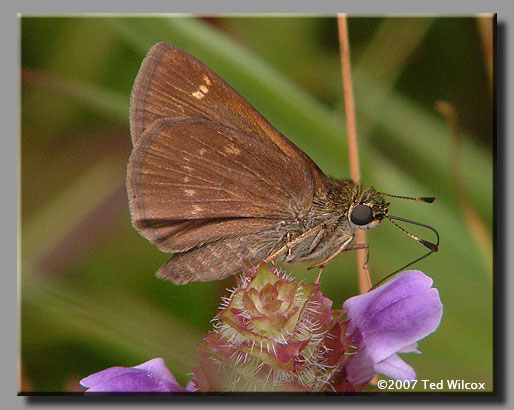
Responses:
[173,84]
[193,181]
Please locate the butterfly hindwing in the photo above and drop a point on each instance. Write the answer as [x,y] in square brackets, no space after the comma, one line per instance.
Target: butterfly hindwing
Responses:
[193,181]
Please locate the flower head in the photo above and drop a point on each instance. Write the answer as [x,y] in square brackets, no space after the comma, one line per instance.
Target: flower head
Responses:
[273,334]
[150,377]
[390,320]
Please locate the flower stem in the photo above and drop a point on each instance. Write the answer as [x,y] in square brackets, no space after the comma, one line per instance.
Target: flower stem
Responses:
[351,128]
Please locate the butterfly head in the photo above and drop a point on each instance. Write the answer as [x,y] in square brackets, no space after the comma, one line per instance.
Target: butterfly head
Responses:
[369,210]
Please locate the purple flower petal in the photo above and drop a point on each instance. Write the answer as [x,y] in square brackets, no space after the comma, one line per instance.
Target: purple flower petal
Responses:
[151,376]
[395,368]
[391,319]
[191,386]
[412,348]
[158,369]
[395,315]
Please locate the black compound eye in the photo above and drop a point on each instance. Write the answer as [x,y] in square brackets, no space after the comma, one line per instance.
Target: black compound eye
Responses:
[361,215]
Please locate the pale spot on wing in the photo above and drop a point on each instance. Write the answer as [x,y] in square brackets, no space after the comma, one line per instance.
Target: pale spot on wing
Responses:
[189,192]
[187,169]
[232,149]
[207,80]
[198,94]
[202,151]
[185,180]
[196,209]
[204,89]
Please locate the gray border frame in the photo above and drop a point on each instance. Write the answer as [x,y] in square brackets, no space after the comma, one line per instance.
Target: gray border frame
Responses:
[10,181]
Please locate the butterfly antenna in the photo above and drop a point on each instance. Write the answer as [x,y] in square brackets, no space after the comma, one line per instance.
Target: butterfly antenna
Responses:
[428,199]
[433,247]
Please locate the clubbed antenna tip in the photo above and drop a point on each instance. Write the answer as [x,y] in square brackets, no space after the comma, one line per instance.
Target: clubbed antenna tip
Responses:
[433,247]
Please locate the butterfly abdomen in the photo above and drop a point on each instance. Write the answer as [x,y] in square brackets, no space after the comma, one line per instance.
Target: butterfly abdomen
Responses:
[219,259]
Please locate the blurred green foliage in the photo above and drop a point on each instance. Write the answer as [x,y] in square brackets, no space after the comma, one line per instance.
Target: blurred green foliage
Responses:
[89,299]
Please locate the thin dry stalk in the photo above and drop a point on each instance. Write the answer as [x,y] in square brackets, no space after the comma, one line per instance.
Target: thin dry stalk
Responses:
[475,224]
[485,24]
[351,128]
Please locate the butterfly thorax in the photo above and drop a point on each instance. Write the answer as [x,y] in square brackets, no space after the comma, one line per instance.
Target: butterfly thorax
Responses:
[334,204]
[327,224]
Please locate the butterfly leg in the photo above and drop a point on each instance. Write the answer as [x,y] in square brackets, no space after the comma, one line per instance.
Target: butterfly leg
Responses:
[292,241]
[322,264]
[344,246]
[319,274]
[364,246]
[289,248]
